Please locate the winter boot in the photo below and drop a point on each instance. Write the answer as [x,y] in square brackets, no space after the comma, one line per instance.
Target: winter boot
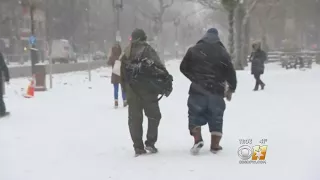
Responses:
[116,104]
[125,103]
[262,86]
[215,143]
[198,142]
[151,148]
[256,87]
[139,151]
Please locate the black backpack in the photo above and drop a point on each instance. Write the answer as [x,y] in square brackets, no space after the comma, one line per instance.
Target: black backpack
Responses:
[153,77]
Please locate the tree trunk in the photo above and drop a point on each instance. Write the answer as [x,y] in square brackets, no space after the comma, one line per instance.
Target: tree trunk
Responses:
[161,42]
[231,34]
[246,47]
[245,37]
[239,42]
[264,44]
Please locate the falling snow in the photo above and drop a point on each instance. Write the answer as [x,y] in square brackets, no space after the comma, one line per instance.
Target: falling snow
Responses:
[72,131]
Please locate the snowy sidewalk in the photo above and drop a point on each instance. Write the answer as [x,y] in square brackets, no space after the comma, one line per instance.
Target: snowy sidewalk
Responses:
[72,132]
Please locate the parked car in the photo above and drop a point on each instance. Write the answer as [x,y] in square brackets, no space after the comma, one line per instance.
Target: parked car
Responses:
[62,52]
[99,55]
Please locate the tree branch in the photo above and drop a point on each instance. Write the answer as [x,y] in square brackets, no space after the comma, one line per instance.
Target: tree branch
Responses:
[249,10]
[145,15]
[165,6]
[252,6]
[5,20]
[271,7]
[211,4]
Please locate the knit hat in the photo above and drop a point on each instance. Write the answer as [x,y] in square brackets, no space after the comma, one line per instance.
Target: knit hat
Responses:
[138,34]
[213,31]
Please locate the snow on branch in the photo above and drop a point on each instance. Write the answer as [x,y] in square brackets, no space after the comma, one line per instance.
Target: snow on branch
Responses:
[165,6]
[211,4]
[145,15]
[251,7]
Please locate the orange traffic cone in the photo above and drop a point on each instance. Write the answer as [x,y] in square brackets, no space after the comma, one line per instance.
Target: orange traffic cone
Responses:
[30,90]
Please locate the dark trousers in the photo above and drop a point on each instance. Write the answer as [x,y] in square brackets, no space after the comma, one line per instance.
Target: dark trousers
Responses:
[206,109]
[152,111]
[258,80]
[2,104]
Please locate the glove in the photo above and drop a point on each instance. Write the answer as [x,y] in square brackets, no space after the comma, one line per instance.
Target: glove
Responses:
[228,95]
[168,92]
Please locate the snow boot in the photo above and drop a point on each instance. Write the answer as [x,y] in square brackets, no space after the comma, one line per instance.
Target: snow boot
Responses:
[262,86]
[152,149]
[215,143]
[198,141]
[139,151]
[125,103]
[116,104]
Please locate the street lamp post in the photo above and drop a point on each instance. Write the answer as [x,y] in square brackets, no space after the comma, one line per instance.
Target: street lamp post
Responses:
[33,50]
[118,6]
[89,40]
[31,5]
[176,24]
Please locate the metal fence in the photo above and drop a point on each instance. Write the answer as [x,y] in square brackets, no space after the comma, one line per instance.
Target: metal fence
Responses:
[25,71]
[82,65]
[17,58]
[278,56]
[21,59]
[288,60]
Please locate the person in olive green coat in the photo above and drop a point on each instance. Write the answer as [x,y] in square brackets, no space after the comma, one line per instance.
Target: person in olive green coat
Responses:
[138,98]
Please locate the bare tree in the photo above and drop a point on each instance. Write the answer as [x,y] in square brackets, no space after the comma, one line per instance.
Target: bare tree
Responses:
[213,4]
[265,15]
[231,6]
[156,16]
[243,34]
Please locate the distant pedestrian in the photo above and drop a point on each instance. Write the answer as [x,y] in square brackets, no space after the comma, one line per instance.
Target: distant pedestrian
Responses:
[258,58]
[115,77]
[4,75]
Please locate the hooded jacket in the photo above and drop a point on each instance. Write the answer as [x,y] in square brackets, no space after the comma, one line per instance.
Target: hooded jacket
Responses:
[258,58]
[137,49]
[208,66]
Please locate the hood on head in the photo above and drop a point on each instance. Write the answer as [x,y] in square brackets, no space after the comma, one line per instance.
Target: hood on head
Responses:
[138,35]
[211,37]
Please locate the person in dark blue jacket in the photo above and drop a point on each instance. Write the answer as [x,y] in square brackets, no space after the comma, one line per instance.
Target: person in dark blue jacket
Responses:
[258,58]
[209,68]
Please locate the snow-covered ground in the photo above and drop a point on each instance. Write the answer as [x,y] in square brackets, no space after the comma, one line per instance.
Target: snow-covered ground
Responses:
[72,132]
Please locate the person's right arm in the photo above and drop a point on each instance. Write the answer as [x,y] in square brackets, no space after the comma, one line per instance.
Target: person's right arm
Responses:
[230,74]
[185,65]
